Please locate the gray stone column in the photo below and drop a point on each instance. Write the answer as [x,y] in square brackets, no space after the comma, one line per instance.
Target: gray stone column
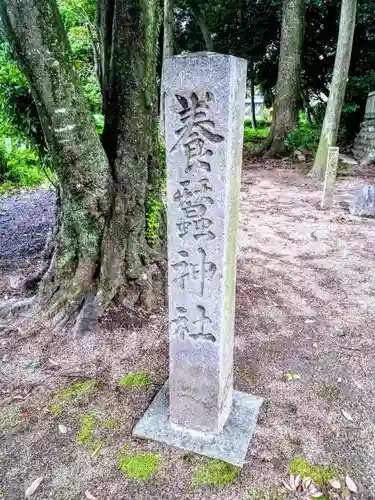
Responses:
[330,177]
[204,97]
[204,104]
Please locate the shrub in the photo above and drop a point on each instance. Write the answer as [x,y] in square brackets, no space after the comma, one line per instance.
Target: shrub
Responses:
[306,136]
[254,137]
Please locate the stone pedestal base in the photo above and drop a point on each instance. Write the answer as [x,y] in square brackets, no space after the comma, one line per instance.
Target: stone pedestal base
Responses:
[230,445]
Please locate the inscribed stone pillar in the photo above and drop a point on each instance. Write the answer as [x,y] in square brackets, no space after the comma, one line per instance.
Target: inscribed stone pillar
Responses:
[204,102]
[204,97]
[330,177]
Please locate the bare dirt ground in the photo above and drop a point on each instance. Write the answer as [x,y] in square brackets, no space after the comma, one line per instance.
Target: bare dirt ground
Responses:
[305,304]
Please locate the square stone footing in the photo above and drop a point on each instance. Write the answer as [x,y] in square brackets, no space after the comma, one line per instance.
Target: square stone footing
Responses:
[230,445]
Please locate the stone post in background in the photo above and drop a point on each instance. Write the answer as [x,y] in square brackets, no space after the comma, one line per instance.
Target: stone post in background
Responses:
[204,110]
[330,177]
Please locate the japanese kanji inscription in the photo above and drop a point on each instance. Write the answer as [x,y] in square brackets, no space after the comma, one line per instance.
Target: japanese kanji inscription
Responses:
[204,114]
[202,143]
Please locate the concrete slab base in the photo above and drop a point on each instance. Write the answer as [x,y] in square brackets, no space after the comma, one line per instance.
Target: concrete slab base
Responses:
[230,445]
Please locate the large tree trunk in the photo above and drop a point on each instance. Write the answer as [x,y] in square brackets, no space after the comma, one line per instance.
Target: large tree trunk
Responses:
[110,193]
[167,52]
[252,96]
[287,94]
[336,97]
[168,29]
[207,37]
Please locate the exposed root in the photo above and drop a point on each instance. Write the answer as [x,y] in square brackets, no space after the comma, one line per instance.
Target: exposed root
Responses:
[15,306]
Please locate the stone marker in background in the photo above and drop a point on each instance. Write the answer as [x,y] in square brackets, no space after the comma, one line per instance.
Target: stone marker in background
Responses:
[198,409]
[364,202]
[330,178]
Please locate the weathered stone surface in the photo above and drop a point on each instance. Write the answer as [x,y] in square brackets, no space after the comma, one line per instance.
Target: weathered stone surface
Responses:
[364,202]
[204,103]
[204,99]
[365,140]
[330,177]
[230,444]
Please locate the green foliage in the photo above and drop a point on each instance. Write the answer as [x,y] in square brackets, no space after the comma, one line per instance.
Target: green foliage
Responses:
[153,209]
[138,465]
[216,473]
[19,163]
[254,137]
[76,390]
[77,12]
[320,475]
[80,44]
[94,99]
[18,113]
[306,136]
[135,380]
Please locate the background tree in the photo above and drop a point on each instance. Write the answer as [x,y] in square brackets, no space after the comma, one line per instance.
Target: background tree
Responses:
[167,52]
[109,229]
[287,94]
[338,86]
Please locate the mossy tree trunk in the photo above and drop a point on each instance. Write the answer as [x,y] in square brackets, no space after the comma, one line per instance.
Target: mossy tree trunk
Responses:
[109,238]
[331,123]
[287,94]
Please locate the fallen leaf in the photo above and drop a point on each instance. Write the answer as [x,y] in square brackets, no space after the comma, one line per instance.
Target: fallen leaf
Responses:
[33,487]
[347,415]
[62,429]
[351,484]
[96,451]
[346,493]
[89,495]
[289,376]
[335,483]
[25,414]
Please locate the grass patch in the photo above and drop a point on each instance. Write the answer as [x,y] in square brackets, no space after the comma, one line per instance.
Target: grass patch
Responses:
[138,465]
[320,475]
[75,390]
[216,473]
[135,380]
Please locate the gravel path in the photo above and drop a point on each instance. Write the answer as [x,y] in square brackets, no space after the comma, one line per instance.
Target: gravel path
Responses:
[25,219]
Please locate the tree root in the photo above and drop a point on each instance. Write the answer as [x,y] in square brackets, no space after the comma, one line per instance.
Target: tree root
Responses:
[15,306]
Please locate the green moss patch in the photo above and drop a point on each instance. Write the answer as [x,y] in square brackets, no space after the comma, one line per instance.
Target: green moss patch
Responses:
[139,465]
[216,473]
[320,475]
[55,410]
[86,434]
[110,423]
[134,380]
[75,390]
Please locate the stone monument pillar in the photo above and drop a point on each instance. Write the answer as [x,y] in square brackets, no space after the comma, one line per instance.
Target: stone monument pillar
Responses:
[204,107]
[330,177]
